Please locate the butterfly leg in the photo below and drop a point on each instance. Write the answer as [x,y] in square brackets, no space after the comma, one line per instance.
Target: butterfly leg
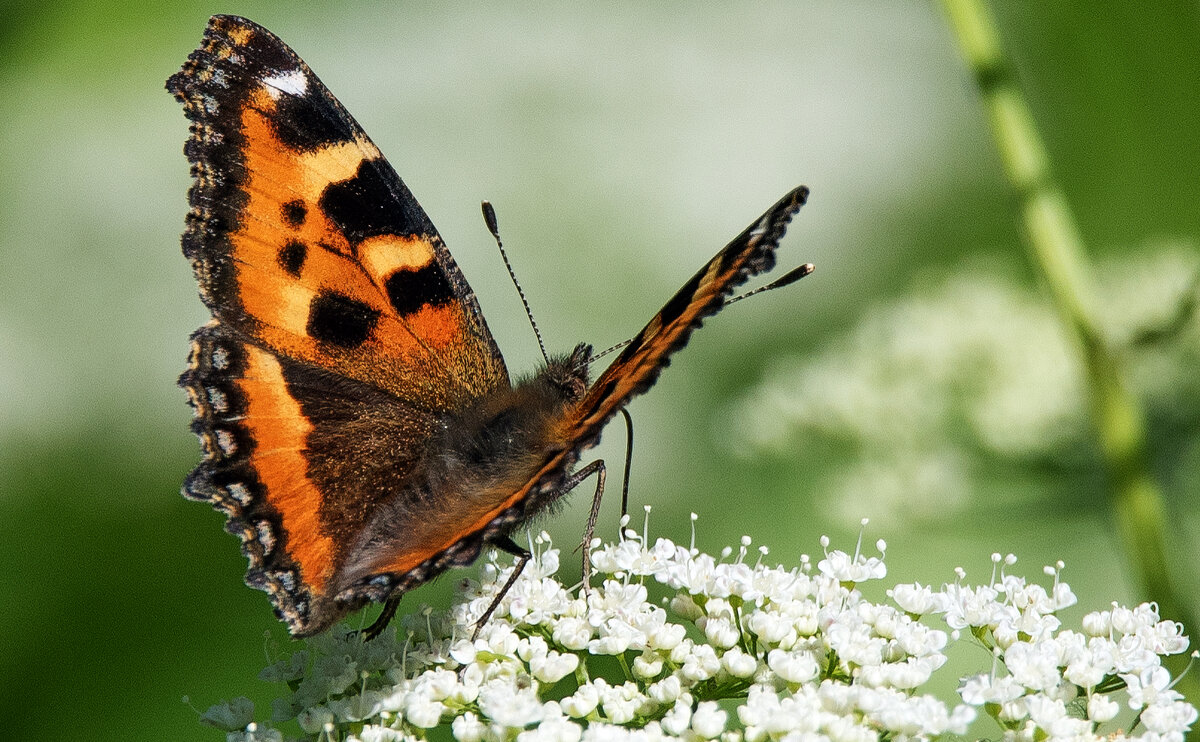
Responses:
[506,545]
[589,531]
[376,628]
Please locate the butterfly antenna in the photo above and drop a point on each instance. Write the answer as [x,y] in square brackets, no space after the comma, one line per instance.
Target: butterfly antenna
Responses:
[786,279]
[489,217]
[610,349]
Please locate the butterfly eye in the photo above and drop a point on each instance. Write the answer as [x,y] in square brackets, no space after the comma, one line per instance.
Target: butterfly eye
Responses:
[569,375]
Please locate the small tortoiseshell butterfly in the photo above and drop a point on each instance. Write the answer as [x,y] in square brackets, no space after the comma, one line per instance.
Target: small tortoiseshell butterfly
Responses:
[358,424]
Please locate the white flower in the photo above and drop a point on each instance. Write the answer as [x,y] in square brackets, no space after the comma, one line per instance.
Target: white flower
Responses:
[666,636]
[1063,597]
[647,665]
[666,691]
[498,638]
[691,574]
[1101,708]
[683,606]
[422,712]
[572,633]
[844,568]
[739,664]
[1094,661]
[1165,637]
[965,606]
[1169,717]
[765,713]
[357,707]
[554,727]
[376,733]
[1146,686]
[675,722]
[582,702]
[907,675]
[553,666]
[701,663]
[980,689]
[1051,716]
[468,728]
[615,599]
[720,632]
[854,641]
[771,628]
[794,667]
[918,640]
[508,705]
[438,685]
[615,636]
[537,602]
[1125,620]
[314,719]
[1132,656]
[1033,665]
[1097,623]
[708,720]
[619,703]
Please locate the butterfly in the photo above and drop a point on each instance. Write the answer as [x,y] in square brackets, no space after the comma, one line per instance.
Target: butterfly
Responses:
[358,425]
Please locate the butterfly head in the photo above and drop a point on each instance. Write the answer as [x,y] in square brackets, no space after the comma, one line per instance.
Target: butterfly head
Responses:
[569,374]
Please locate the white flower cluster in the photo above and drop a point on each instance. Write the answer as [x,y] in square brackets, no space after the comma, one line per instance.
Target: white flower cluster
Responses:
[741,652]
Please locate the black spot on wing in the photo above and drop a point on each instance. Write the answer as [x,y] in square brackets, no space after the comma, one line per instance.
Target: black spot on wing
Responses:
[682,299]
[410,290]
[374,202]
[292,256]
[294,213]
[337,319]
[309,122]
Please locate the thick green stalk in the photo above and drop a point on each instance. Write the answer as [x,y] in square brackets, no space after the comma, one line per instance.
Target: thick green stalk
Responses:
[1057,252]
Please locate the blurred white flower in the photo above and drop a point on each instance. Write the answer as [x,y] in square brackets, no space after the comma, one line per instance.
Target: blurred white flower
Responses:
[931,391]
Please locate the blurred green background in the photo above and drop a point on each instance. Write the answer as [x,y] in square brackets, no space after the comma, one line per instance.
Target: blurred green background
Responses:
[622,144]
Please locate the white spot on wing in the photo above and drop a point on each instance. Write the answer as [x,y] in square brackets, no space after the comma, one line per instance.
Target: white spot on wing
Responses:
[290,82]
[226,442]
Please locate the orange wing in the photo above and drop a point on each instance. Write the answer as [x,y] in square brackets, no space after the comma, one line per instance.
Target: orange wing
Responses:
[306,241]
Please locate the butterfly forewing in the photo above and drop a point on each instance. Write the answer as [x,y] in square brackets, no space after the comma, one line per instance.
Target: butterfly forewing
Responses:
[637,367]
[304,238]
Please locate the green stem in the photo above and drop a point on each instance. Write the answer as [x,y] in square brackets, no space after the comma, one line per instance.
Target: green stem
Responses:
[1058,253]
